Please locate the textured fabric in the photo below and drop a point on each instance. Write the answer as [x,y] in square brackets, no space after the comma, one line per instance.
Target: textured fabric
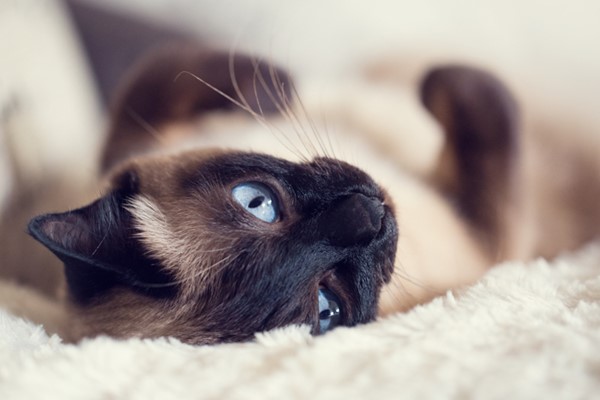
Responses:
[524,331]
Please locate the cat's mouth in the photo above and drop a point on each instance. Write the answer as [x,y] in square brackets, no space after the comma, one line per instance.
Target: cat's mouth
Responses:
[348,293]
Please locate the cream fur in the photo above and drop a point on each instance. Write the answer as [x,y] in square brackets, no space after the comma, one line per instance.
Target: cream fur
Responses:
[157,235]
[175,247]
[22,301]
[522,332]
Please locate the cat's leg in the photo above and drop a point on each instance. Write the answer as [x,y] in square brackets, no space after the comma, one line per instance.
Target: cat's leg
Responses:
[479,169]
[180,82]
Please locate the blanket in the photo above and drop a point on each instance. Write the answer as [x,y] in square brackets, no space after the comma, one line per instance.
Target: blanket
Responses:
[524,331]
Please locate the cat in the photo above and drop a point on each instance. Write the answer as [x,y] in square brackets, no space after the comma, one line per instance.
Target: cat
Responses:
[229,211]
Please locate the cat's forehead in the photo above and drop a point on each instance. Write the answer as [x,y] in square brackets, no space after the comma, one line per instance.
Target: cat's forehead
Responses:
[204,170]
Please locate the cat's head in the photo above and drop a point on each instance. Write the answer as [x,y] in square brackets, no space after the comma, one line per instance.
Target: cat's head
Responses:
[213,245]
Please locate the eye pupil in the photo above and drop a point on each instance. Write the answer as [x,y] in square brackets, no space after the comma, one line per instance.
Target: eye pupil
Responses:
[256,202]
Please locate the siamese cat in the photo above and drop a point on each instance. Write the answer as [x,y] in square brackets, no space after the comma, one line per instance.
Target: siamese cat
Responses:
[230,209]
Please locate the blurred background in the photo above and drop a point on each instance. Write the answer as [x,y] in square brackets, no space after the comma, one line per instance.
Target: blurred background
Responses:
[61,60]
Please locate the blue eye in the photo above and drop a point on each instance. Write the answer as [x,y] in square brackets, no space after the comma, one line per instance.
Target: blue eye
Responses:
[258,200]
[329,310]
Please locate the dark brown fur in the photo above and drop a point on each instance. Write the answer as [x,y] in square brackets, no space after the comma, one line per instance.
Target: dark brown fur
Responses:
[480,166]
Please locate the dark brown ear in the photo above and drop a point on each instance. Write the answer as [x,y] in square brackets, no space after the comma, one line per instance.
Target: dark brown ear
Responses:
[181,81]
[479,166]
[98,247]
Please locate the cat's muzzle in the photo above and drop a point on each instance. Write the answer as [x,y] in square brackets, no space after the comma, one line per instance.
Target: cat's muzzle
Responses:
[353,220]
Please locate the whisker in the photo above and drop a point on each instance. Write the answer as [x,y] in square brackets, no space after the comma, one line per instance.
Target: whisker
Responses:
[259,117]
[400,293]
[212,267]
[219,91]
[257,77]
[297,122]
[281,102]
[324,120]
[198,273]
[289,110]
[309,120]
[145,125]
[245,107]
[402,298]
[400,270]
[99,244]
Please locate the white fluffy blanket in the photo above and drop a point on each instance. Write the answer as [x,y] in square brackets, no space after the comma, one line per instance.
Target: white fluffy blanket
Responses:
[524,331]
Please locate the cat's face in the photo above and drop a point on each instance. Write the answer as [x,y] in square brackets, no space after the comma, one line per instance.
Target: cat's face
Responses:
[213,246]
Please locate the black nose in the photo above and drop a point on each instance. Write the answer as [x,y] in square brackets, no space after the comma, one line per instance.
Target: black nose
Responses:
[354,220]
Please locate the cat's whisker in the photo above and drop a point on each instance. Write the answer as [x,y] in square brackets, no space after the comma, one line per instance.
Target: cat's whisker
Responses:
[396,291]
[205,270]
[397,288]
[217,267]
[255,88]
[287,102]
[397,284]
[302,121]
[281,102]
[323,117]
[245,107]
[296,120]
[400,270]
[290,146]
[306,117]
[219,91]
[154,133]
[326,146]
[332,138]
[414,281]
[190,278]
[99,244]
[277,101]
[222,261]
[220,250]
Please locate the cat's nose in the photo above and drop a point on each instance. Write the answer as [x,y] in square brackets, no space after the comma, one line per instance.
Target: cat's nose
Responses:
[354,220]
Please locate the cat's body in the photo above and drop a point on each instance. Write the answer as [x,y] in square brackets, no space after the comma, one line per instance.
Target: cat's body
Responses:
[153,258]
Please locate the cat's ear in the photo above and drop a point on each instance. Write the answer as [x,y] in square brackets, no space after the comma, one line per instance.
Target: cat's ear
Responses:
[179,82]
[98,247]
[479,165]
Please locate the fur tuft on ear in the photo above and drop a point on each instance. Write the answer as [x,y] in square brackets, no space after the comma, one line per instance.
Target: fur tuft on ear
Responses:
[96,243]
[479,166]
[179,82]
